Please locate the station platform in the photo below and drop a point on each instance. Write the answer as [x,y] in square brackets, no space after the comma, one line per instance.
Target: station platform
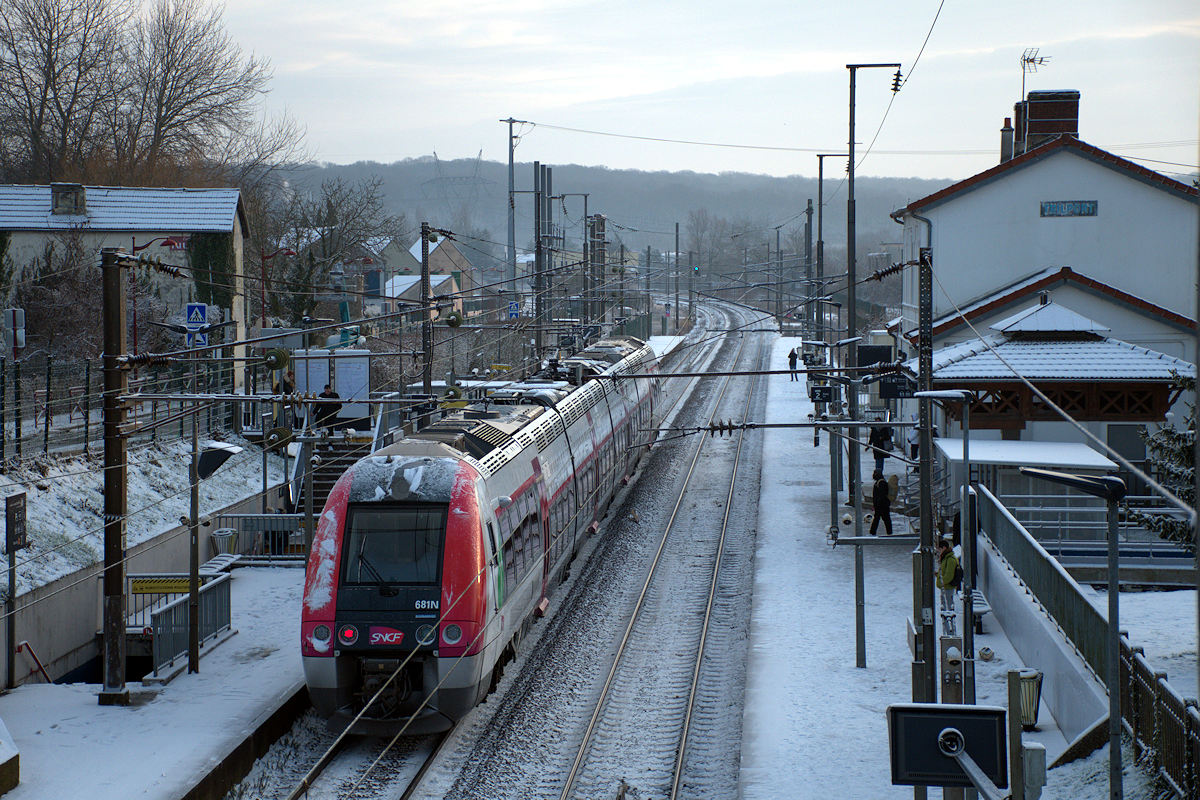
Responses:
[812,718]
[171,737]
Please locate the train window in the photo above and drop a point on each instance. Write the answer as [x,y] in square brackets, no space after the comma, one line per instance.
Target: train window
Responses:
[393,544]
[510,566]
[492,541]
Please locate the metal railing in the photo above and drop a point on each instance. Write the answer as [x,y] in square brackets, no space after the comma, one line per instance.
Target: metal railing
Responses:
[1164,726]
[259,534]
[165,613]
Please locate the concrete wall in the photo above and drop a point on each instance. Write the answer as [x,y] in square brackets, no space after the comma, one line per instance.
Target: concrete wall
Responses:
[62,620]
[1070,690]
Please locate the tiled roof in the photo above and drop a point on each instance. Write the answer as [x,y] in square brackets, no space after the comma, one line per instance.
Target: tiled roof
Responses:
[1048,318]
[1101,358]
[1049,148]
[111,208]
[1045,279]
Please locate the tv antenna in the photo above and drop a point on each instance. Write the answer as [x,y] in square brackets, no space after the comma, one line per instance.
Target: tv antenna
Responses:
[1030,61]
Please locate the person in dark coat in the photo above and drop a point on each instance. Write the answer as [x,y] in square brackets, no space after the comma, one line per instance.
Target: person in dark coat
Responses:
[793,357]
[882,498]
[328,410]
[880,442]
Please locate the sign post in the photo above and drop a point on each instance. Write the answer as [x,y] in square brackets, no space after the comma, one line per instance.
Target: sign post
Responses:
[14,540]
[197,318]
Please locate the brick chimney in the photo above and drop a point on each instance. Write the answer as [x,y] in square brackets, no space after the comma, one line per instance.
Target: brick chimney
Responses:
[1006,141]
[68,198]
[1043,116]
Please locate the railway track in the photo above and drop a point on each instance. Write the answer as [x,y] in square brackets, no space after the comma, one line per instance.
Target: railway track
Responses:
[683,579]
[526,740]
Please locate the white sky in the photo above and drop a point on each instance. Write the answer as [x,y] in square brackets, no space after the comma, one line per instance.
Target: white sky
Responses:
[385,80]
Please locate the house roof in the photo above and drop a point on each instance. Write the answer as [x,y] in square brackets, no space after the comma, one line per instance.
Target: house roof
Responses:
[402,283]
[1070,143]
[1048,317]
[1073,359]
[125,208]
[1040,281]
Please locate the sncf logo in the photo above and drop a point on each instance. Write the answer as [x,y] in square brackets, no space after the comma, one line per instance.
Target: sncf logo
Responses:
[381,635]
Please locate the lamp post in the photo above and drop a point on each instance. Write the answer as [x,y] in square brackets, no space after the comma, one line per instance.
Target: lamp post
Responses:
[204,464]
[965,524]
[1110,489]
[821,213]
[263,258]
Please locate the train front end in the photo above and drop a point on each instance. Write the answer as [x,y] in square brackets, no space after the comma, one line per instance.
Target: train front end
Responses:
[395,596]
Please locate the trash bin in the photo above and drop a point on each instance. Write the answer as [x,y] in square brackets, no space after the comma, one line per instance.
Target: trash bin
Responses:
[224,540]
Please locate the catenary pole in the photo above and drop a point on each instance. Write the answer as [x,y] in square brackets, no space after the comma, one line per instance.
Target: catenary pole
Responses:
[512,209]
[116,384]
[677,310]
[426,321]
[538,256]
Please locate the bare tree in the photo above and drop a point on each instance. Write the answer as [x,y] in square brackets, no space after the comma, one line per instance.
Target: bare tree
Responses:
[59,77]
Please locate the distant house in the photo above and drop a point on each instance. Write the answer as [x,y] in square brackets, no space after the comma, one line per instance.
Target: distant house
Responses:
[404,291]
[170,223]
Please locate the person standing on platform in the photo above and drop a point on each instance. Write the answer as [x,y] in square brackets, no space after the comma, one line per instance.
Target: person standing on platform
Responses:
[914,442]
[880,442]
[881,496]
[793,357]
[949,575]
[329,408]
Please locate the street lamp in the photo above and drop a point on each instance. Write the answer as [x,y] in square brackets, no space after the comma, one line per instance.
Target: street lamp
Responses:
[1111,489]
[204,464]
[263,259]
[965,397]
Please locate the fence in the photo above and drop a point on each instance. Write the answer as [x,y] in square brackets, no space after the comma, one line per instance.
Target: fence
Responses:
[262,534]
[156,599]
[1165,727]
[50,404]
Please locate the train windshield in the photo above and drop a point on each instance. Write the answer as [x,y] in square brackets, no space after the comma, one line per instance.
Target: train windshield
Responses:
[394,544]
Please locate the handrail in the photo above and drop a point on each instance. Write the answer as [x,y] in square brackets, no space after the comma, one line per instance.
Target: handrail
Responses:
[25,645]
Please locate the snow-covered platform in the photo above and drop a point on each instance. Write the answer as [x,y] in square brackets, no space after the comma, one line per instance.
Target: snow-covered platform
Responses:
[812,719]
[171,737]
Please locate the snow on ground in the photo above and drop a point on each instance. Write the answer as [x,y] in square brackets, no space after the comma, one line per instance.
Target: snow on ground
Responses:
[814,723]
[162,745]
[65,502]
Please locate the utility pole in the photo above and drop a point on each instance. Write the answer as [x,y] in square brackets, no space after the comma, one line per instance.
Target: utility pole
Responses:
[116,384]
[852,302]
[820,233]
[778,279]
[426,320]
[677,277]
[691,284]
[511,278]
[548,251]
[649,304]
[810,312]
[621,290]
[924,667]
[538,257]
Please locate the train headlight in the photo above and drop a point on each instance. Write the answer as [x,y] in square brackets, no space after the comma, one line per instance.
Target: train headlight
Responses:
[321,633]
[347,634]
[426,635]
[451,634]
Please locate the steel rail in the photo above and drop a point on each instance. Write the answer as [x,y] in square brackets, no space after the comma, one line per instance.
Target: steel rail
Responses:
[681,752]
[572,775]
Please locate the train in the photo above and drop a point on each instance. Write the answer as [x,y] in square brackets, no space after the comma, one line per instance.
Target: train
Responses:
[433,555]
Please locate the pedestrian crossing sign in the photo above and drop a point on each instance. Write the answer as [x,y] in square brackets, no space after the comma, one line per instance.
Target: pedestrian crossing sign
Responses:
[197,314]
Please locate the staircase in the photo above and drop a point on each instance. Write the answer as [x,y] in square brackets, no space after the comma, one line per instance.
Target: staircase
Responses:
[337,452]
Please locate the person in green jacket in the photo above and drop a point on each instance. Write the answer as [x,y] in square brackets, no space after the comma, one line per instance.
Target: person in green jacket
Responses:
[948,577]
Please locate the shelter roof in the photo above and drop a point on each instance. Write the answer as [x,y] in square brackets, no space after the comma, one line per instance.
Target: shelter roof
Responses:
[1022,453]
[125,208]
[1073,359]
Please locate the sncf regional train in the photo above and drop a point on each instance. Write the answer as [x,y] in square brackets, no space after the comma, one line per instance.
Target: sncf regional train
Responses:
[441,547]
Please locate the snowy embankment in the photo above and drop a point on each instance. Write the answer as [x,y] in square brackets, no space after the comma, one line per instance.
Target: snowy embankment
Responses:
[65,502]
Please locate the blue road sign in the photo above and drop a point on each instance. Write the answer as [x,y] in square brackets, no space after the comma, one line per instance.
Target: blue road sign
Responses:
[197,315]
[514,309]
[197,340]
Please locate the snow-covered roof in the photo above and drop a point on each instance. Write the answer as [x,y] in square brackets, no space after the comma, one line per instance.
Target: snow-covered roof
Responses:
[415,250]
[402,283]
[123,208]
[1047,318]
[1067,359]
[1007,452]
